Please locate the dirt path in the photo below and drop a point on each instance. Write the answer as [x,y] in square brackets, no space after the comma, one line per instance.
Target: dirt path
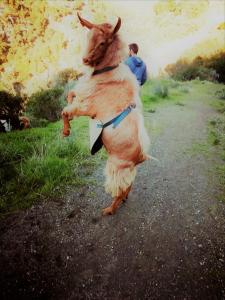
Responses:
[166,242]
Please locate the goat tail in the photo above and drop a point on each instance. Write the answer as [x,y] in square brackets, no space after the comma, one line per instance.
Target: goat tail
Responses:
[119,177]
[148,157]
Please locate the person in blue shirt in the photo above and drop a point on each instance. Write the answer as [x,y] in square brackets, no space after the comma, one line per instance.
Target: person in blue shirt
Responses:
[136,64]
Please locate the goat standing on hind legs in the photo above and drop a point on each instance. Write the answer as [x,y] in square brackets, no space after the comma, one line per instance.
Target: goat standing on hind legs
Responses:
[110,94]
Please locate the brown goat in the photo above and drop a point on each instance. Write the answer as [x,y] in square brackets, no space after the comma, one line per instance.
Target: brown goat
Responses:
[104,94]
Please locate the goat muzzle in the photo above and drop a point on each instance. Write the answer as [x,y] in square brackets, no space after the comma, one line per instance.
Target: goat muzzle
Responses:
[86,61]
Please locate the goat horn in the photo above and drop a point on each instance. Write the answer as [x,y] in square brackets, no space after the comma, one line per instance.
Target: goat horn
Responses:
[117,27]
[85,23]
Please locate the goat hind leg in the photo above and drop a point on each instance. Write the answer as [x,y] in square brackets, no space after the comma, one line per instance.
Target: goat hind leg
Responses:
[110,210]
[126,193]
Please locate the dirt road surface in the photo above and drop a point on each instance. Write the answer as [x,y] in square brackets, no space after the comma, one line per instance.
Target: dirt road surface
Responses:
[165,242]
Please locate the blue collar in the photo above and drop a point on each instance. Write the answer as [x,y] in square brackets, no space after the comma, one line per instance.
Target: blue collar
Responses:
[116,121]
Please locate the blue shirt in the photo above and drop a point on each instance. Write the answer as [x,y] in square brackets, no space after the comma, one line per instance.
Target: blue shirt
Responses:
[138,67]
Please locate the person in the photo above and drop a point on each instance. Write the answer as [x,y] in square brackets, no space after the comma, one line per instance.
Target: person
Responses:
[136,64]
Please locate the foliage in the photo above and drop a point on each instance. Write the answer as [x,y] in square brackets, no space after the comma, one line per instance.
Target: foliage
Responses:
[161,90]
[211,68]
[177,8]
[66,75]
[217,138]
[218,131]
[221,94]
[217,63]
[155,90]
[37,122]
[10,108]
[33,40]
[46,104]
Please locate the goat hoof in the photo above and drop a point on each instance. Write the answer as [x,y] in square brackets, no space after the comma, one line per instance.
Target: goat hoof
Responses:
[66,133]
[107,211]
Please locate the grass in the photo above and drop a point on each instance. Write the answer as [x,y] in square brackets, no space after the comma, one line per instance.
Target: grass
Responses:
[38,163]
[217,138]
[217,128]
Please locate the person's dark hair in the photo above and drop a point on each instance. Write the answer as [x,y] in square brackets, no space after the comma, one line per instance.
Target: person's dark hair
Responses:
[134,47]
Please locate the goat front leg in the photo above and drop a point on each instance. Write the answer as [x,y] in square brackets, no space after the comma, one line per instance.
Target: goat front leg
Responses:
[74,108]
[65,115]
[70,97]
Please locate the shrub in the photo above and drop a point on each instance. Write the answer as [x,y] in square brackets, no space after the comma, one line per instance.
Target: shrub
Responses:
[221,94]
[46,104]
[217,63]
[35,122]
[211,69]
[174,84]
[161,90]
[66,75]
[183,89]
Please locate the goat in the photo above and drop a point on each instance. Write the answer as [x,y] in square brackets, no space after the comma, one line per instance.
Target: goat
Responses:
[110,89]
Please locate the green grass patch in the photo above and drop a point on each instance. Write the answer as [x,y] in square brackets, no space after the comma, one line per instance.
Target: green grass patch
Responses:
[217,138]
[202,148]
[39,163]
[217,133]
[219,105]
[157,92]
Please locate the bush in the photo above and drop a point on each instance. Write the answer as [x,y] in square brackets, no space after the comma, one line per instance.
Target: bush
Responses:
[66,75]
[161,90]
[217,63]
[183,89]
[221,94]
[46,105]
[174,84]
[35,122]
[203,68]
[10,108]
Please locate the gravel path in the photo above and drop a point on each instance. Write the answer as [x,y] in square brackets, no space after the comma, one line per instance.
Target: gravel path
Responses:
[165,242]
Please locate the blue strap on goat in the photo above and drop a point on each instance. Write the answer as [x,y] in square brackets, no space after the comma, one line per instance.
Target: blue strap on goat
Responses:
[96,135]
[116,121]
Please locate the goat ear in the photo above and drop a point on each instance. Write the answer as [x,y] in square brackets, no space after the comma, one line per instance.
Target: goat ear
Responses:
[85,23]
[117,27]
